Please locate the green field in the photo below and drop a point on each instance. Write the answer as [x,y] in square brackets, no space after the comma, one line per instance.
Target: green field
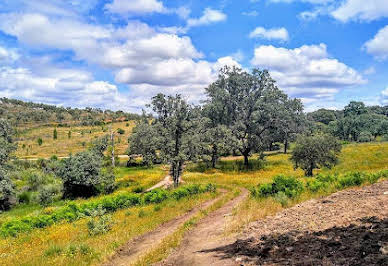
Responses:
[68,243]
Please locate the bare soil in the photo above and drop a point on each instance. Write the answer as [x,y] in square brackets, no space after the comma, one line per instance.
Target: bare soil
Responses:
[132,250]
[207,234]
[347,228]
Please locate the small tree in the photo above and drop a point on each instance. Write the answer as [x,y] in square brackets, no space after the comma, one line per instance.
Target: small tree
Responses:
[317,151]
[82,175]
[55,134]
[143,141]
[120,131]
[6,148]
[69,134]
[40,141]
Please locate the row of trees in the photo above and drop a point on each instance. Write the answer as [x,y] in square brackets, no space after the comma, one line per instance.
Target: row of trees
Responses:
[244,113]
[18,112]
[356,122]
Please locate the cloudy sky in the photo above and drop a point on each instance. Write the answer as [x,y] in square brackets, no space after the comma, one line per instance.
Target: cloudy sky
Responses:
[116,54]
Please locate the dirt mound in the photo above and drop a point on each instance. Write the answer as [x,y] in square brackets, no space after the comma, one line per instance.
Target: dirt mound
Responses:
[347,228]
[363,244]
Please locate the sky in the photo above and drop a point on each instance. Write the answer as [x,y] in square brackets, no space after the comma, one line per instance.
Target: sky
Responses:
[117,54]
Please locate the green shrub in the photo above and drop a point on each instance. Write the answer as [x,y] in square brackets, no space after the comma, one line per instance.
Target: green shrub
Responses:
[25,197]
[266,190]
[365,136]
[53,250]
[99,225]
[316,185]
[49,193]
[120,131]
[155,196]
[291,186]
[97,207]
[157,208]
[351,179]
[282,198]
[142,214]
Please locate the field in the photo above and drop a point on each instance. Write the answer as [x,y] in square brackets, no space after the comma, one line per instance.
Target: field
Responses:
[79,139]
[69,243]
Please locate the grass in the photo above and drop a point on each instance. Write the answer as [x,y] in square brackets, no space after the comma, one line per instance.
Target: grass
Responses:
[31,249]
[81,137]
[71,244]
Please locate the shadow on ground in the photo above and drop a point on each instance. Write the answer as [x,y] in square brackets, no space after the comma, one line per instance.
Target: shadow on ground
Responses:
[362,244]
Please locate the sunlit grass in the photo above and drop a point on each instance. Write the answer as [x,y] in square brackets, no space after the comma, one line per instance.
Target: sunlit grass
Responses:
[81,138]
[30,249]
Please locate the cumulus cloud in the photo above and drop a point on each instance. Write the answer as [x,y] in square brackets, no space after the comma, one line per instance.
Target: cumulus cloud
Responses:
[125,7]
[209,16]
[378,46]
[306,72]
[270,34]
[68,88]
[8,56]
[361,10]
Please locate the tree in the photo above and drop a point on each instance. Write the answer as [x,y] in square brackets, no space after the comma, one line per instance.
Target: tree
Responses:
[144,141]
[250,105]
[6,148]
[323,116]
[81,175]
[55,134]
[355,108]
[40,141]
[315,151]
[176,124]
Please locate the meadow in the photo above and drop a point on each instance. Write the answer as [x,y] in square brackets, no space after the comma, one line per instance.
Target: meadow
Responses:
[70,139]
[70,243]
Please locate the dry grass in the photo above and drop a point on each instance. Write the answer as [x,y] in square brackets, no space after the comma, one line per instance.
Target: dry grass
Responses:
[32,249]
[81,137]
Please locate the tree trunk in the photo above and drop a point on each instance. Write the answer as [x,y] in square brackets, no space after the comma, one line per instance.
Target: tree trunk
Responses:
[309,171]
[285,145]
[214,156]
[176,172]
[246,160]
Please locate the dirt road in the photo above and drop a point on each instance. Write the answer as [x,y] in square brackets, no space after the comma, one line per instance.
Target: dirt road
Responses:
[131,251]
[206,235]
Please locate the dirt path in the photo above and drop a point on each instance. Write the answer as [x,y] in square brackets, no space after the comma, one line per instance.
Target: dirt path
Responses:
[166,182]
[207,234]
[131,251]
[347,228]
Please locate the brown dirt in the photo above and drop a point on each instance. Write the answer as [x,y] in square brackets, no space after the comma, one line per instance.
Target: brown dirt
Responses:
[207,234]
[132,250]
[347,228]
[165,183]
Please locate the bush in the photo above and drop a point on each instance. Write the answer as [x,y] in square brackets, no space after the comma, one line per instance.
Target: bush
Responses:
[6,191]
[365,136]
[155,196]
[99,225]
[49,193]
[97,207]
[25,197]
[282,198]
[81,175]
[316,185]
[291,186]
[351,179]
[120,131]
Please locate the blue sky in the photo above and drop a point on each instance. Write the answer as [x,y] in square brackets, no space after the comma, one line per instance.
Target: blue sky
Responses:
[117,54]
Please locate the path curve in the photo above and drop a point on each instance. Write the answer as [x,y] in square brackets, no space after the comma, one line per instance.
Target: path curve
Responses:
[209,233]
[139,246]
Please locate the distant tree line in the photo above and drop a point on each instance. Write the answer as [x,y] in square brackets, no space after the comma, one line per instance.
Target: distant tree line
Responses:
[356,122]
[19,112]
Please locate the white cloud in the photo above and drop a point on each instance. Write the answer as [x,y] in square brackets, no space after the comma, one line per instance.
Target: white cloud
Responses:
[125,7]
[378,46]
[306,72]
[384,97]
[370,70]
[270,34]
[361,10]
[8,56]
[209,16]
